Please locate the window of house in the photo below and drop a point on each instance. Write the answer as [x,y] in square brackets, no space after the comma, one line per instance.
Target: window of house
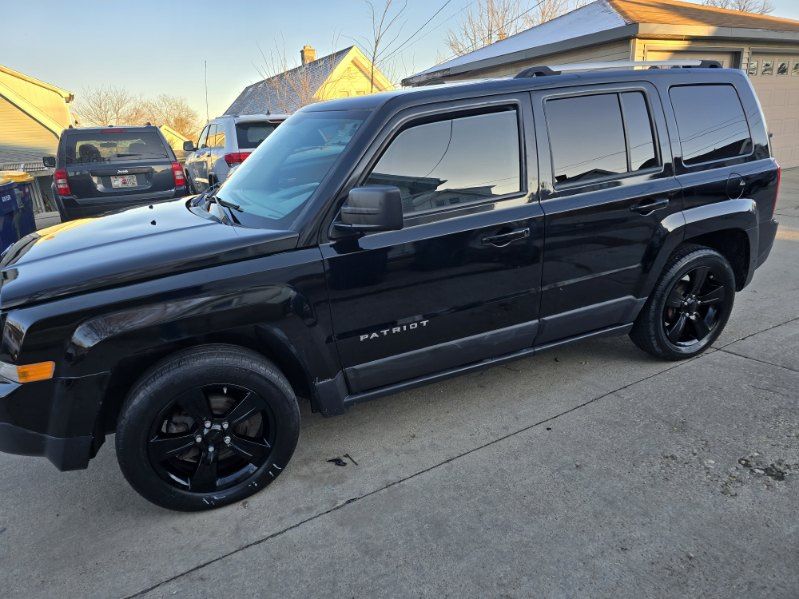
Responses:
[768,67]
[795,69]
[588,140]
[752,70]
[453,161]
[782,68]
[711,123]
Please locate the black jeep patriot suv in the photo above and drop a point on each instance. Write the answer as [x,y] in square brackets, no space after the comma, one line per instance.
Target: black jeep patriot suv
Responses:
[376,243]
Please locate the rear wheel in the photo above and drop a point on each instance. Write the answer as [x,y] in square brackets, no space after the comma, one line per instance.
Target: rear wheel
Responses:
[207,427]
[689,306]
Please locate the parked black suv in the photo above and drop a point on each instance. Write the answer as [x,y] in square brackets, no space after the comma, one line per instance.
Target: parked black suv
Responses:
[376,243]
[100,170]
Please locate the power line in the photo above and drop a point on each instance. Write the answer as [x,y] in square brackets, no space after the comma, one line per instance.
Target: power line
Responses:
[415,33]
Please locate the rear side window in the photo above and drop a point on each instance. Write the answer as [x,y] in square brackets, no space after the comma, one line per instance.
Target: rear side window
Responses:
[454,161]
[250,135]
[600,136]
[711,122]
[113,145]
[216,138]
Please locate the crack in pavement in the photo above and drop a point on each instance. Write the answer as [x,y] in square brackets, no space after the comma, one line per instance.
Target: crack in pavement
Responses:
[726,351]
[449,460]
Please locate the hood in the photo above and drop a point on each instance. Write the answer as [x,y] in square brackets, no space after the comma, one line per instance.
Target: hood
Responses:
[126,247]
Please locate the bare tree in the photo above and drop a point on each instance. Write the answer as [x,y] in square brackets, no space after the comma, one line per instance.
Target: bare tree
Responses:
[761,7]
[107,106]
[117,106]
[387,23]
[172,111]
[490,21]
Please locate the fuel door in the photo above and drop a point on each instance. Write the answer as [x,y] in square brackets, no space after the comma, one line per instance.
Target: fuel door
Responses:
[736,185]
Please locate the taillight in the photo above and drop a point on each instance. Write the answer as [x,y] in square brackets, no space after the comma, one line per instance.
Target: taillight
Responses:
[178,175]
[236,157]
[61,183]
[777,191]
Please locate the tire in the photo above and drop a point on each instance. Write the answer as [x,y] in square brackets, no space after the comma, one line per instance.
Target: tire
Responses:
[207,427]
[687,310]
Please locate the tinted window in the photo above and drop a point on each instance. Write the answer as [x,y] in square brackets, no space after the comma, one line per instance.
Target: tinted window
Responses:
[454,161]
[638,125]
[587,137]
[113,145]
[711,122]
[249,135]
[285,170]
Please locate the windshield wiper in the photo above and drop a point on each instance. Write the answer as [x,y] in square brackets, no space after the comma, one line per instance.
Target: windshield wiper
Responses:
[215,198]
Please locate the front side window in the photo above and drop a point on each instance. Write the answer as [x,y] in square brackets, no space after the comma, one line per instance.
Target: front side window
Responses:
[711,123]
[285,170]
[453,161]
[202,142]
[599,136]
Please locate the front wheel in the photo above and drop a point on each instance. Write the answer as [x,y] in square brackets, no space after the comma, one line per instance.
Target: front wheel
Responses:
[207,427]
[689,306]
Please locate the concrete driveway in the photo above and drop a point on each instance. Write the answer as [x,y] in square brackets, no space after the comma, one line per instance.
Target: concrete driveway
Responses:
[592,470]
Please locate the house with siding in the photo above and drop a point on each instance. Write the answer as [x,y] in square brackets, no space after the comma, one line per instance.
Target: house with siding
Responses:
[341,74]
[767,47]
[33,114]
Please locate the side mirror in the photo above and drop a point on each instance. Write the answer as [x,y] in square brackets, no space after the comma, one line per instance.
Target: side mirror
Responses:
[367,209]
[48,161]
[188,146]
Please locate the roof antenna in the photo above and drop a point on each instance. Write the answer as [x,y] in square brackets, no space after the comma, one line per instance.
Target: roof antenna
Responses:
[205,73]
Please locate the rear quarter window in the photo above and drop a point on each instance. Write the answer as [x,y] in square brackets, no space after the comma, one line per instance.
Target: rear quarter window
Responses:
[711,123]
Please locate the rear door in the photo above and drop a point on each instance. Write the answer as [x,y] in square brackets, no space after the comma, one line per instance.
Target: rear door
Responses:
[459,283]
[215,161]
[107,165]
[609,193]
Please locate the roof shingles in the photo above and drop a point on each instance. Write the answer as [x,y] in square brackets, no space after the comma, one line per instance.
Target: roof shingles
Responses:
[674,12]
[288,91]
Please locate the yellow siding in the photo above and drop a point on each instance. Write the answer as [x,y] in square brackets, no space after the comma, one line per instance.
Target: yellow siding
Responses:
[22,138]
[352,78]
[46,100]
[600,53]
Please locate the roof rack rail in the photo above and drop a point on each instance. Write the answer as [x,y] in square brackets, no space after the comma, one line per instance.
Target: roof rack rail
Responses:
[543,71]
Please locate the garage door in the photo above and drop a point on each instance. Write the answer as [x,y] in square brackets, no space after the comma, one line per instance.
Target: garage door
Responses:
[776,80]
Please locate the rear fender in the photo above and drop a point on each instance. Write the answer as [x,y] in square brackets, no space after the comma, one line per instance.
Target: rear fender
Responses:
[740,214]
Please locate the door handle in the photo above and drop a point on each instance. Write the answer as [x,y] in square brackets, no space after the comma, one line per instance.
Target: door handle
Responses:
[504,239]
[650,207]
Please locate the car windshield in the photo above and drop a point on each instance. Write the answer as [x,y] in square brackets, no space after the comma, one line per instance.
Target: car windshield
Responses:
[284,171]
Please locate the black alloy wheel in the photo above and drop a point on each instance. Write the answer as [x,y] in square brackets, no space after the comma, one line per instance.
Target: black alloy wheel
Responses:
[689,305]
[694,306]
[211,438]
[206,427]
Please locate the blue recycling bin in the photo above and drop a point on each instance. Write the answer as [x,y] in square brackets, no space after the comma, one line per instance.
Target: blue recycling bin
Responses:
[16,207]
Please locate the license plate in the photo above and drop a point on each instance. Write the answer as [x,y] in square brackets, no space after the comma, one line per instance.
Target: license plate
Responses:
[123,181]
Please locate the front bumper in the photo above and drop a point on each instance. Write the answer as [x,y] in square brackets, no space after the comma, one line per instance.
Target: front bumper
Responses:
[55,418]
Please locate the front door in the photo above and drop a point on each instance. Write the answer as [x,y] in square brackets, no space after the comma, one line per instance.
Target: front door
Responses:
[459,283]
[196,163]
[609,193]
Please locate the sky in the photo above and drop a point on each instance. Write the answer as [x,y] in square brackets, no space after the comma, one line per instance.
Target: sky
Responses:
[150,47]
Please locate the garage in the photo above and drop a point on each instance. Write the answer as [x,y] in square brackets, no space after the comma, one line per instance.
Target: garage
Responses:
[766,46]
[775,76]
